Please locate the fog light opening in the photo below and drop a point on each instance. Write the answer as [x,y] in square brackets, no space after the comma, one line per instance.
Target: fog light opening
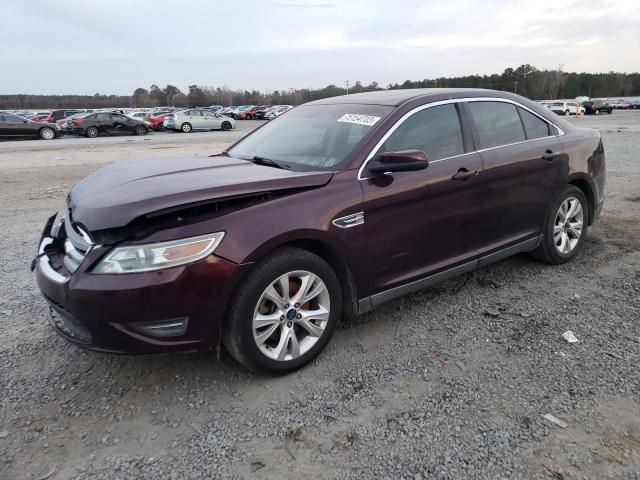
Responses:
[173,327]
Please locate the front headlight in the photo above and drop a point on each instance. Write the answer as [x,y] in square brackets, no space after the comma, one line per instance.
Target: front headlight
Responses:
[158,256]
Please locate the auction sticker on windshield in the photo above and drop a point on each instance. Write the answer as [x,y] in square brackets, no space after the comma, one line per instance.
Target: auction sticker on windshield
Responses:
[359,119]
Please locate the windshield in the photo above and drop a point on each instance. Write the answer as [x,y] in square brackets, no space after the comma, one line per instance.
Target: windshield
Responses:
[312,137]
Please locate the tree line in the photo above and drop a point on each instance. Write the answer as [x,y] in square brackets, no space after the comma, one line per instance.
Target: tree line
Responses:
[525,80]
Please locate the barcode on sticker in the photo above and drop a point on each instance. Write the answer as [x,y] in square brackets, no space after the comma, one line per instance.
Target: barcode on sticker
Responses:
[359,119]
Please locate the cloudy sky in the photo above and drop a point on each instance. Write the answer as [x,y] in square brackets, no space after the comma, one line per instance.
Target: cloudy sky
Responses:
[114,46]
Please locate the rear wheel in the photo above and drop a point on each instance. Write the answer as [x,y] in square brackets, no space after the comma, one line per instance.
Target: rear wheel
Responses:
[284,313]
[139,130]
[92,132]
[565,228]
[567,113]
[226,126]
[609,111]
[186,127]
[47,133]
[597,112]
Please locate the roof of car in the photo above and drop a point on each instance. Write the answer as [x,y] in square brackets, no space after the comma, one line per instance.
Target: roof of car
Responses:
[396,97]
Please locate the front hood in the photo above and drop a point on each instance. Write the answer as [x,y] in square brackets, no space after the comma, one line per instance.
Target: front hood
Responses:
[123,191]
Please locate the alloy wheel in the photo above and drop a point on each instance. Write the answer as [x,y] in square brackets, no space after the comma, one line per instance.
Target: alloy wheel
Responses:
[568,225]
[291,315]
[47,134]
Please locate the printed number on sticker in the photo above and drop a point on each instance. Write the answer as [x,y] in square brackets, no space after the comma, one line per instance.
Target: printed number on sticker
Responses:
[359,119]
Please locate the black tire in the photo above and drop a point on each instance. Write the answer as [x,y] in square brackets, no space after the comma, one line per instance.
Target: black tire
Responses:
[47,133]
[237,334]
[610,111]
[91,132]
[139,130]
[226,126]
[186,127]
[547,251]
[567,113]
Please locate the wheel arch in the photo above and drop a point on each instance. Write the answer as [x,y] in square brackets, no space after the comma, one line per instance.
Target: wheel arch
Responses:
[588,190]
[325,249]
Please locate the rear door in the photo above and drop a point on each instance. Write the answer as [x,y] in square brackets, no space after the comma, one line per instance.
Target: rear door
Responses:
[524,169]
[103,122]
[418,223]
[18,127]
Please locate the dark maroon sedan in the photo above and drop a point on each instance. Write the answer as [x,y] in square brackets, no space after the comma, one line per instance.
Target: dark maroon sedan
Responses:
[332,208]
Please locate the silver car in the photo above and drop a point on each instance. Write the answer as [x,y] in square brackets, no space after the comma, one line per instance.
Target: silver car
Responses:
[197,119]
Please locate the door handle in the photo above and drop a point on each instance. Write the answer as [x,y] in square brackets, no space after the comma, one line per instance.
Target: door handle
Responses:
[463,175]
[549,155]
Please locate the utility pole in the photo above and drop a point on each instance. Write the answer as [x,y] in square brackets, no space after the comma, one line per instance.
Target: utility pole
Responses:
[347,83]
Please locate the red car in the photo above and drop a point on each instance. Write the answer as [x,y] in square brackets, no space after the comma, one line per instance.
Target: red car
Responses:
[156,119]
[247,114]
[334,208]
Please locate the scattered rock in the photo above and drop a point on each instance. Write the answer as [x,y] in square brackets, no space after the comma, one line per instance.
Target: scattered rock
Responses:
[326,445]
[555,420]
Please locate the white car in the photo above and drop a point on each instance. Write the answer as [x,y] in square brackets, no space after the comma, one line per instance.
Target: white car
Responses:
[141,116]
[565,108]
[197,119]
[276,111]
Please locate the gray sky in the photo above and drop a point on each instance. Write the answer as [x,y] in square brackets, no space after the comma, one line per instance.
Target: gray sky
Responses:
[114,46]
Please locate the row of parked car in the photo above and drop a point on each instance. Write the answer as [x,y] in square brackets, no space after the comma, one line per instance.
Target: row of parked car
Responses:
[92,123]
[588,107]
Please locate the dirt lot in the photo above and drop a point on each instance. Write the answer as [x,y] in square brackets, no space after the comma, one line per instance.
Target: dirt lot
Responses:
[448,383]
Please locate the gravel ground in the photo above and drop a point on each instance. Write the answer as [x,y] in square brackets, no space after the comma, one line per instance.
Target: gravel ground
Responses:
[448,383]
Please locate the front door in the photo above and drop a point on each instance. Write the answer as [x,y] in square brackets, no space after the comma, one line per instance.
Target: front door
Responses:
[422,222]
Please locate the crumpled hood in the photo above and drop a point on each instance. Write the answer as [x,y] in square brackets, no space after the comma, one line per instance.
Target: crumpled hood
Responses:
[123,191]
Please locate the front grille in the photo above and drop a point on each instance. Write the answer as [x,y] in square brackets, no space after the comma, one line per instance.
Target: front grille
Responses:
[76,245]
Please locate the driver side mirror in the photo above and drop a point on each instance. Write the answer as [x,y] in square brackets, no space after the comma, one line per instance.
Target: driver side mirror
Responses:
[399,161]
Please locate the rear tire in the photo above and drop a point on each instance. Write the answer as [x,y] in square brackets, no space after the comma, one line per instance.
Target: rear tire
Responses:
[92,132]
[47,133]
[567,113]
[226,126]
[558,225]
[252,304]
[186,127]
[139,130]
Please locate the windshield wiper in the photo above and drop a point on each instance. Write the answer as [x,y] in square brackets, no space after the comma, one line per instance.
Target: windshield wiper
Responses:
[221,154]
[268,162]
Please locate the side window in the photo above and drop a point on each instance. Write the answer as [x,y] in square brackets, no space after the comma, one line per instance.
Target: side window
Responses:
[12,119]
[497,123]
[1,118]
[435,131]
[103,117]
[534,126]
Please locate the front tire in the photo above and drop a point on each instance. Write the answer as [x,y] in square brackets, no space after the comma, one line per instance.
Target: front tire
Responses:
[567,113]
[226,126]
[92,132]
[597,112]
[284,313]
[47,133]
[566,227]
[186,127]
[139,130]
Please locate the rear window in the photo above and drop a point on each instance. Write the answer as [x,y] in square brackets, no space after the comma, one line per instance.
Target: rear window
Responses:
[497,123]
[534,126]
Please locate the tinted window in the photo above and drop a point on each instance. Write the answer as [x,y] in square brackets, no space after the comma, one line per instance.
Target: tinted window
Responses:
[119,118]
[534,126]
[12,118]
[435,131]
[497,123]
[103,117]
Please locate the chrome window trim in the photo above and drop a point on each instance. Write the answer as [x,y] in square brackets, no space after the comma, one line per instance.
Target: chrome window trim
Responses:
[454,101]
